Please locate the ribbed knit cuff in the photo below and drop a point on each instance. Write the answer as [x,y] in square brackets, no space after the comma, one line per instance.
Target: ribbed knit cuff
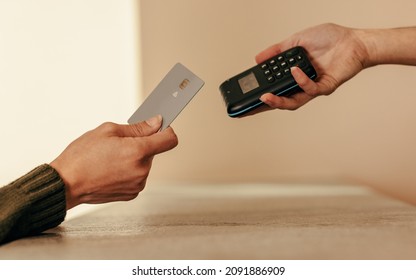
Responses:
[32,204]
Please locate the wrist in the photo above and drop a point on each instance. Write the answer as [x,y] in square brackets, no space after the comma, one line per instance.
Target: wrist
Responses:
[389,46]
[369,55]
[71,196]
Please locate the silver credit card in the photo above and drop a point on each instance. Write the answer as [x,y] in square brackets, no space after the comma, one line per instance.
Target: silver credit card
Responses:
[170,96]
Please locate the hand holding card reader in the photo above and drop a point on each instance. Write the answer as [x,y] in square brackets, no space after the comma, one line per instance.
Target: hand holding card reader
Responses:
[242,92]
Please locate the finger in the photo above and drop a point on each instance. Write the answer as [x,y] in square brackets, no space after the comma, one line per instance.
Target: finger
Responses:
[159,142]
[145,128]
[268,53]
[285,103]
[256,111]
[305,83]
[274,50]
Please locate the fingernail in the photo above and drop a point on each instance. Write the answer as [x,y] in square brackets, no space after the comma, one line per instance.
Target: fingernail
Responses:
[155,121]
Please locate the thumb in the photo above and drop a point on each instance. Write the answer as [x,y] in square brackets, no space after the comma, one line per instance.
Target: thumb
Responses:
[145,128]
[273,50]
[268,53]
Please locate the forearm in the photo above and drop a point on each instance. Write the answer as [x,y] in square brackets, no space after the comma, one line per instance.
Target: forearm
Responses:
[389,46]
[32,204]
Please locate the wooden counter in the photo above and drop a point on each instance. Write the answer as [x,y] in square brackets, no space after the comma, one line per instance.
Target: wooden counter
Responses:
[240,221]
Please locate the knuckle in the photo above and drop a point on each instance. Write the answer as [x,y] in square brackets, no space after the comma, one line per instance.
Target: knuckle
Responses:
[313,92]
[174,140]
[140,187]
[133,195]
[170,140]
[137,129]
[293,107]
[108,127]
[135,187]
[142,149]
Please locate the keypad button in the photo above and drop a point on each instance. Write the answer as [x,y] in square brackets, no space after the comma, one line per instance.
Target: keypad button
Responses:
[277,69]
[302,64]
[291,53]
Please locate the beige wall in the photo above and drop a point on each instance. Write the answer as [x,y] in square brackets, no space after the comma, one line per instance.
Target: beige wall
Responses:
[65,67]
[70,65]
[364,132]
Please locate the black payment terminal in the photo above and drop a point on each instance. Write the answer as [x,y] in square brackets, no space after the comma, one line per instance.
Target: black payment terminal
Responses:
[241,93]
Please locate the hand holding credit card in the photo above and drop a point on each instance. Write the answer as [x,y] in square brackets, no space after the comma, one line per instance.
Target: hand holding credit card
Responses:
[170,96]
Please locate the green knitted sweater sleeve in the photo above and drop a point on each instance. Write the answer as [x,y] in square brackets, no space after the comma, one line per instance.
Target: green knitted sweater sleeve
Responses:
[32,204]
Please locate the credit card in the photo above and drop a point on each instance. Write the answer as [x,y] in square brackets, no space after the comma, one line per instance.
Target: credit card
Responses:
[170,96]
